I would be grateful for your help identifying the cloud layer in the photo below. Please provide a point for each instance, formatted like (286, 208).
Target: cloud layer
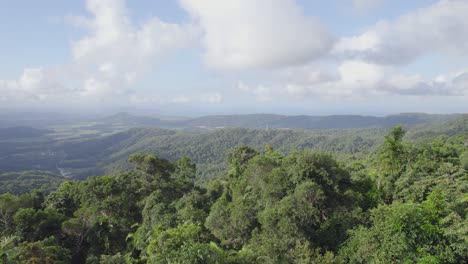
(245, 34)
(362, 79)
(439, 28)
(108, 59)
(118, 47)
(274, 47)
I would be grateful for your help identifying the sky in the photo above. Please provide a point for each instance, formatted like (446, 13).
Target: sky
(197, 57)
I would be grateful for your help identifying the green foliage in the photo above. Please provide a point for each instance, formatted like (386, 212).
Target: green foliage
(407, 204)
(151, 164)
(392, 159)
(185, 171)
(32, 225)
(46, 251)
(182, 244)
(18, 183)
(464, 160)
(64, 199)
(238, 157)
(408, 233)
(280, 206)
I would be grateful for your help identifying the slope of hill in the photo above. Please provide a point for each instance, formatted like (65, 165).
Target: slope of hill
(84, 157)
(18, 183)
(207, 148)
(127, 119)
(245, 121)
(278, 121)
(22, 132)
(451, 127)
(107, 154)
(317, 122)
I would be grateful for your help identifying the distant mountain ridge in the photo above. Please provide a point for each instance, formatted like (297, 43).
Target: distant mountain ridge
(207, 148)
(125, 120)
(81, 157)
(280, 121)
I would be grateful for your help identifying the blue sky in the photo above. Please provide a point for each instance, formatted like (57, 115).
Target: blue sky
(195, 57)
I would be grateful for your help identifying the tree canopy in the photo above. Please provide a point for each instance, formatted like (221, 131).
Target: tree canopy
(406, 204)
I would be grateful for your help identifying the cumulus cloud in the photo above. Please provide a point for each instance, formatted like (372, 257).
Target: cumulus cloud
(211, 98)
(352, 77)
(114, 41)
(121, 50)
(95, 88)
(34, 83)
(108, 58)
(244, 34)
(205, 98)
(439, 28)
(362, 78)
(306, 74)
(260, 92)
(273, 35)
(452, 84)
(360, 73)
(181, 99)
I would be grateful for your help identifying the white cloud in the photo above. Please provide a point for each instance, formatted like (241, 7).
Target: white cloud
(242, 34)
(34, 83)
(360, 73)
(181, 99)
(260, 92)
(352, 77)
(360, 78)
(120, 49)
(306, 74)
(114, 39)
(108, 58)
(296, 90)
(368, 41)
(146, 98)
(31, 79)
(263, 93)
(439, 28)
(366, 5)
(404, 82)
(452, 84)
(243, 87)
(96, 88)
(211, 98)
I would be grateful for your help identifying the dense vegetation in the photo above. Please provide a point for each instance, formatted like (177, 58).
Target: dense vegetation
(22, 132)
(80, 150)
(127, 120)
(18, 183)
(206, 149)
(311, 122)
(107, 154)
(408, 203)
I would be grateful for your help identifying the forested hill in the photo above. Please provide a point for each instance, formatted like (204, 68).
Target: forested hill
(407, 203)
(125, 120)
(279, 121)
(22, 132)
(313, 122)
(449, 128)
(81, 157)
(207, 148)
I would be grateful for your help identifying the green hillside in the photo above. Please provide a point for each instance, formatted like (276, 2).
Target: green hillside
(405, 203)
(84, 156)
(207, 148)
(18, 183)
